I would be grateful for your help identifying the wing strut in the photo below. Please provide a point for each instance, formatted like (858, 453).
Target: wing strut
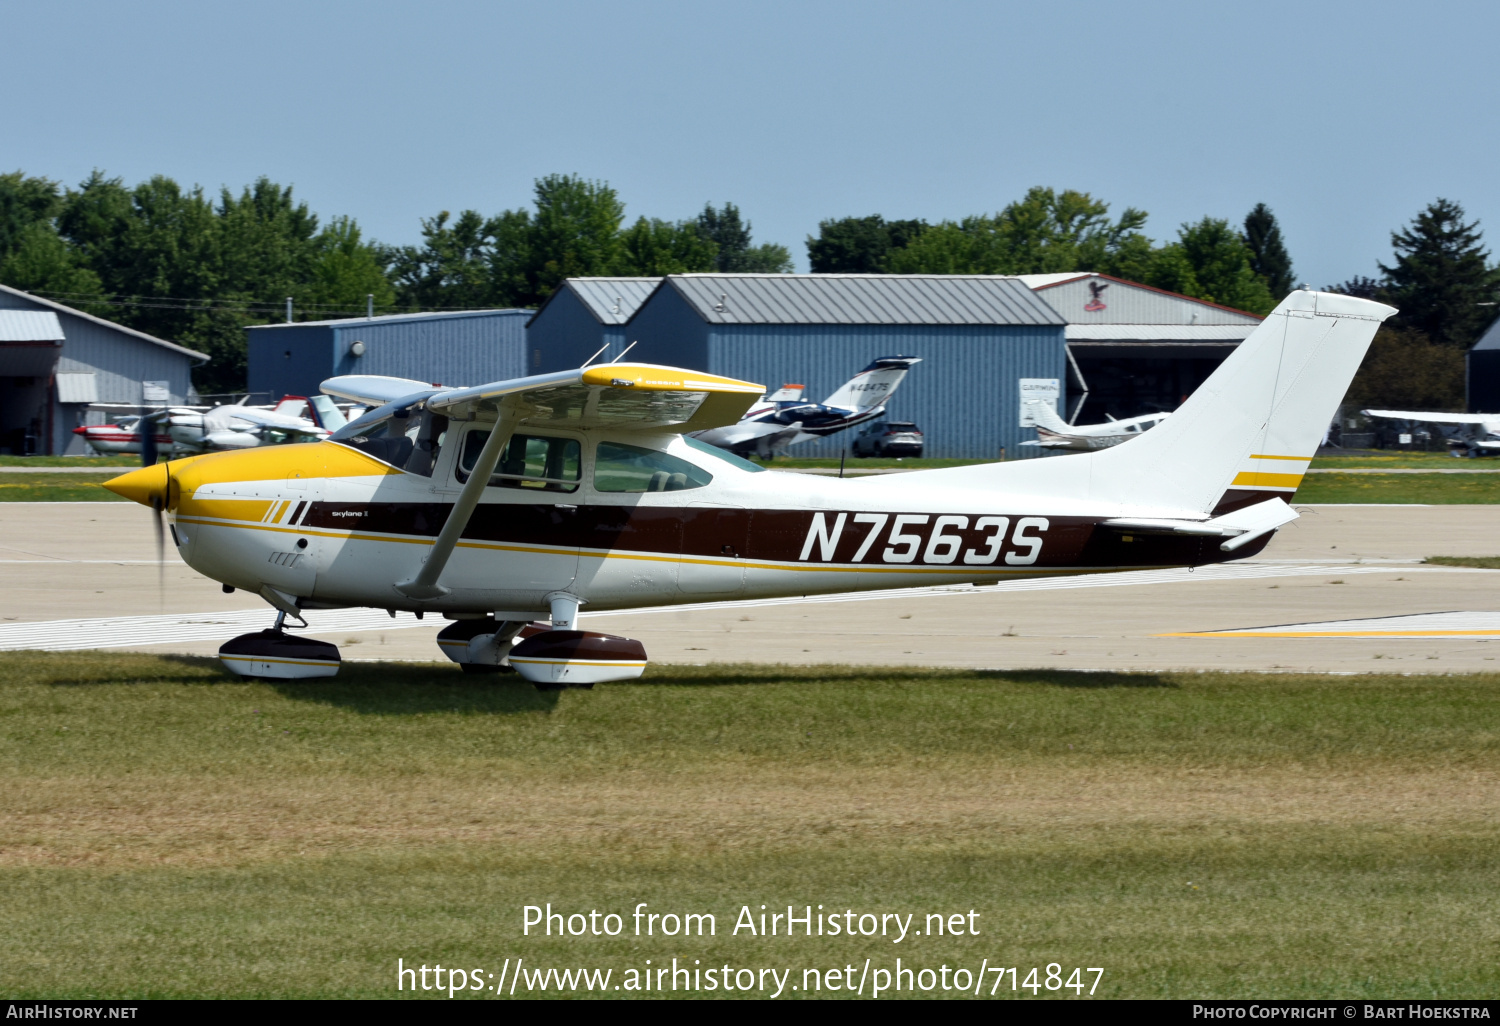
(425, 585)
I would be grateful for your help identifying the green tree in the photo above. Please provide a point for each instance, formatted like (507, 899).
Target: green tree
(1441, 275)
(24, 202)
(859, 245)
(656, 247)
(1220, 260)
(40, 261)
(1404, 369)
(346, 270)
(736, 254)
(1043, 232)
(179, 266)
(575, 233)
(1268, 255)
(451, 269)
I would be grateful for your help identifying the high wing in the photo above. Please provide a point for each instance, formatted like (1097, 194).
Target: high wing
(631, 396)
(1434, 418)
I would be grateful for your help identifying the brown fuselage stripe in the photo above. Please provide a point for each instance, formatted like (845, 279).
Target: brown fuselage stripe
(776, 536)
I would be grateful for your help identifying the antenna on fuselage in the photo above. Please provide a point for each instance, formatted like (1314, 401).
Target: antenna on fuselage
(595, 356)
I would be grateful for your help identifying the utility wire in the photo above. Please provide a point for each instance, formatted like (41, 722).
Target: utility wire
(201, 306)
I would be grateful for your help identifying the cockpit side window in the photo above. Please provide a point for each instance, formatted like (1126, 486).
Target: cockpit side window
(628, 468)
(528, 461)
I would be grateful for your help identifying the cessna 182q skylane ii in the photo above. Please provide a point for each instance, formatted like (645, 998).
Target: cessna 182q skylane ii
(529, 499)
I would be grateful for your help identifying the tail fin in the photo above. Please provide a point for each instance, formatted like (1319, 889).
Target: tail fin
(1246, 435)
(327, 413)
(874, 385)
(291, 406)
(1043, 415)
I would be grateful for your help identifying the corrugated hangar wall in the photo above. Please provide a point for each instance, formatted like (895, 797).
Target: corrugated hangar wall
(977, 337)
(470, 348)
(964, 395)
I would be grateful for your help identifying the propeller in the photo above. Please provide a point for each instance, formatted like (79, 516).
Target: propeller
(147, 428)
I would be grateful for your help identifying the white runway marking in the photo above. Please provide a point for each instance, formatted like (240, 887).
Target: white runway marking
(132, 631)
(1419, 626)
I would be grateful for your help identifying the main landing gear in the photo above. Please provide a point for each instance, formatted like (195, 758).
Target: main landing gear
(550, 655)
(276, 655)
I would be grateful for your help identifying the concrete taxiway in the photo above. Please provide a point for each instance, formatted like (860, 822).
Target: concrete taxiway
(94, 564)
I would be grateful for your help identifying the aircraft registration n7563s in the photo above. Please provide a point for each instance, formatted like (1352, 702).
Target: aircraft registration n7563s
(508, 507)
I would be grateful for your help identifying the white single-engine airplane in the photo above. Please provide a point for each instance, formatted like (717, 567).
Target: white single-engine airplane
(1052, 432)
(526, 500)
(1466, 434)
(189, 430)
(784, 418)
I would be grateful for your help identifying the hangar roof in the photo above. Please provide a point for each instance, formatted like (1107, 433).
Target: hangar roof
(862, 299)
(60, 308)
(30, 326)
(610, 300)
(1491, 337)
(356, 322)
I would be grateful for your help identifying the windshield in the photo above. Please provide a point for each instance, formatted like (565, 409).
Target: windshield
(409, 439)
(628, 468)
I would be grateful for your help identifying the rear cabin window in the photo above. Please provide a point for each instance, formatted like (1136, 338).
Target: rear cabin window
(627, 468)
(528, 461)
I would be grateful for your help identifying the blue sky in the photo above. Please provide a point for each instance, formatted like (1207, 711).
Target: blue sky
(1346, 118)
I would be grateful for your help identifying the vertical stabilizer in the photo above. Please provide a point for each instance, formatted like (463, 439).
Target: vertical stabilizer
(1045, 416)
(1248, 433)
(874, 385)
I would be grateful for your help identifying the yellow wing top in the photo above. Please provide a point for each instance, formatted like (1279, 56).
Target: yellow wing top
(630, 396)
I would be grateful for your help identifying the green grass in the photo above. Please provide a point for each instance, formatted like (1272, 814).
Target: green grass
(1483, 562)
(56, 488)
(167, 831)
(1397, 460)
(70, 461)
(1436, 489)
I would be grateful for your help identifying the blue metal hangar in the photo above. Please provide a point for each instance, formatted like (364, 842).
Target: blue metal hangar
(55, 360)
(979, 337)
(467, 347)
(583, 316)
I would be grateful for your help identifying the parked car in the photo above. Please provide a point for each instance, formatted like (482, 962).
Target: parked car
(888, 438)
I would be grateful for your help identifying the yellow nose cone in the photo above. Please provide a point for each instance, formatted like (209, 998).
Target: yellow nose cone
(148, 486)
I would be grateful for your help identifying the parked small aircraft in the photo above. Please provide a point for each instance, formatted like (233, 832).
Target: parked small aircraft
(510, 506)
(1052, 432)
(1467, 434)
(189, 430)
(784, 418)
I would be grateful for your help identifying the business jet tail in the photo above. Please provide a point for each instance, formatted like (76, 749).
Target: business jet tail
(874, 385)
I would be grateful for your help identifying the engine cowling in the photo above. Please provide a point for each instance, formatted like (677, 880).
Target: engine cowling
(578, 658)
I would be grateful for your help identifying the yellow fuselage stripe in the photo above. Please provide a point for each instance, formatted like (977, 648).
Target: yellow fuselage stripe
(1255, 479)
(1298, 459)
